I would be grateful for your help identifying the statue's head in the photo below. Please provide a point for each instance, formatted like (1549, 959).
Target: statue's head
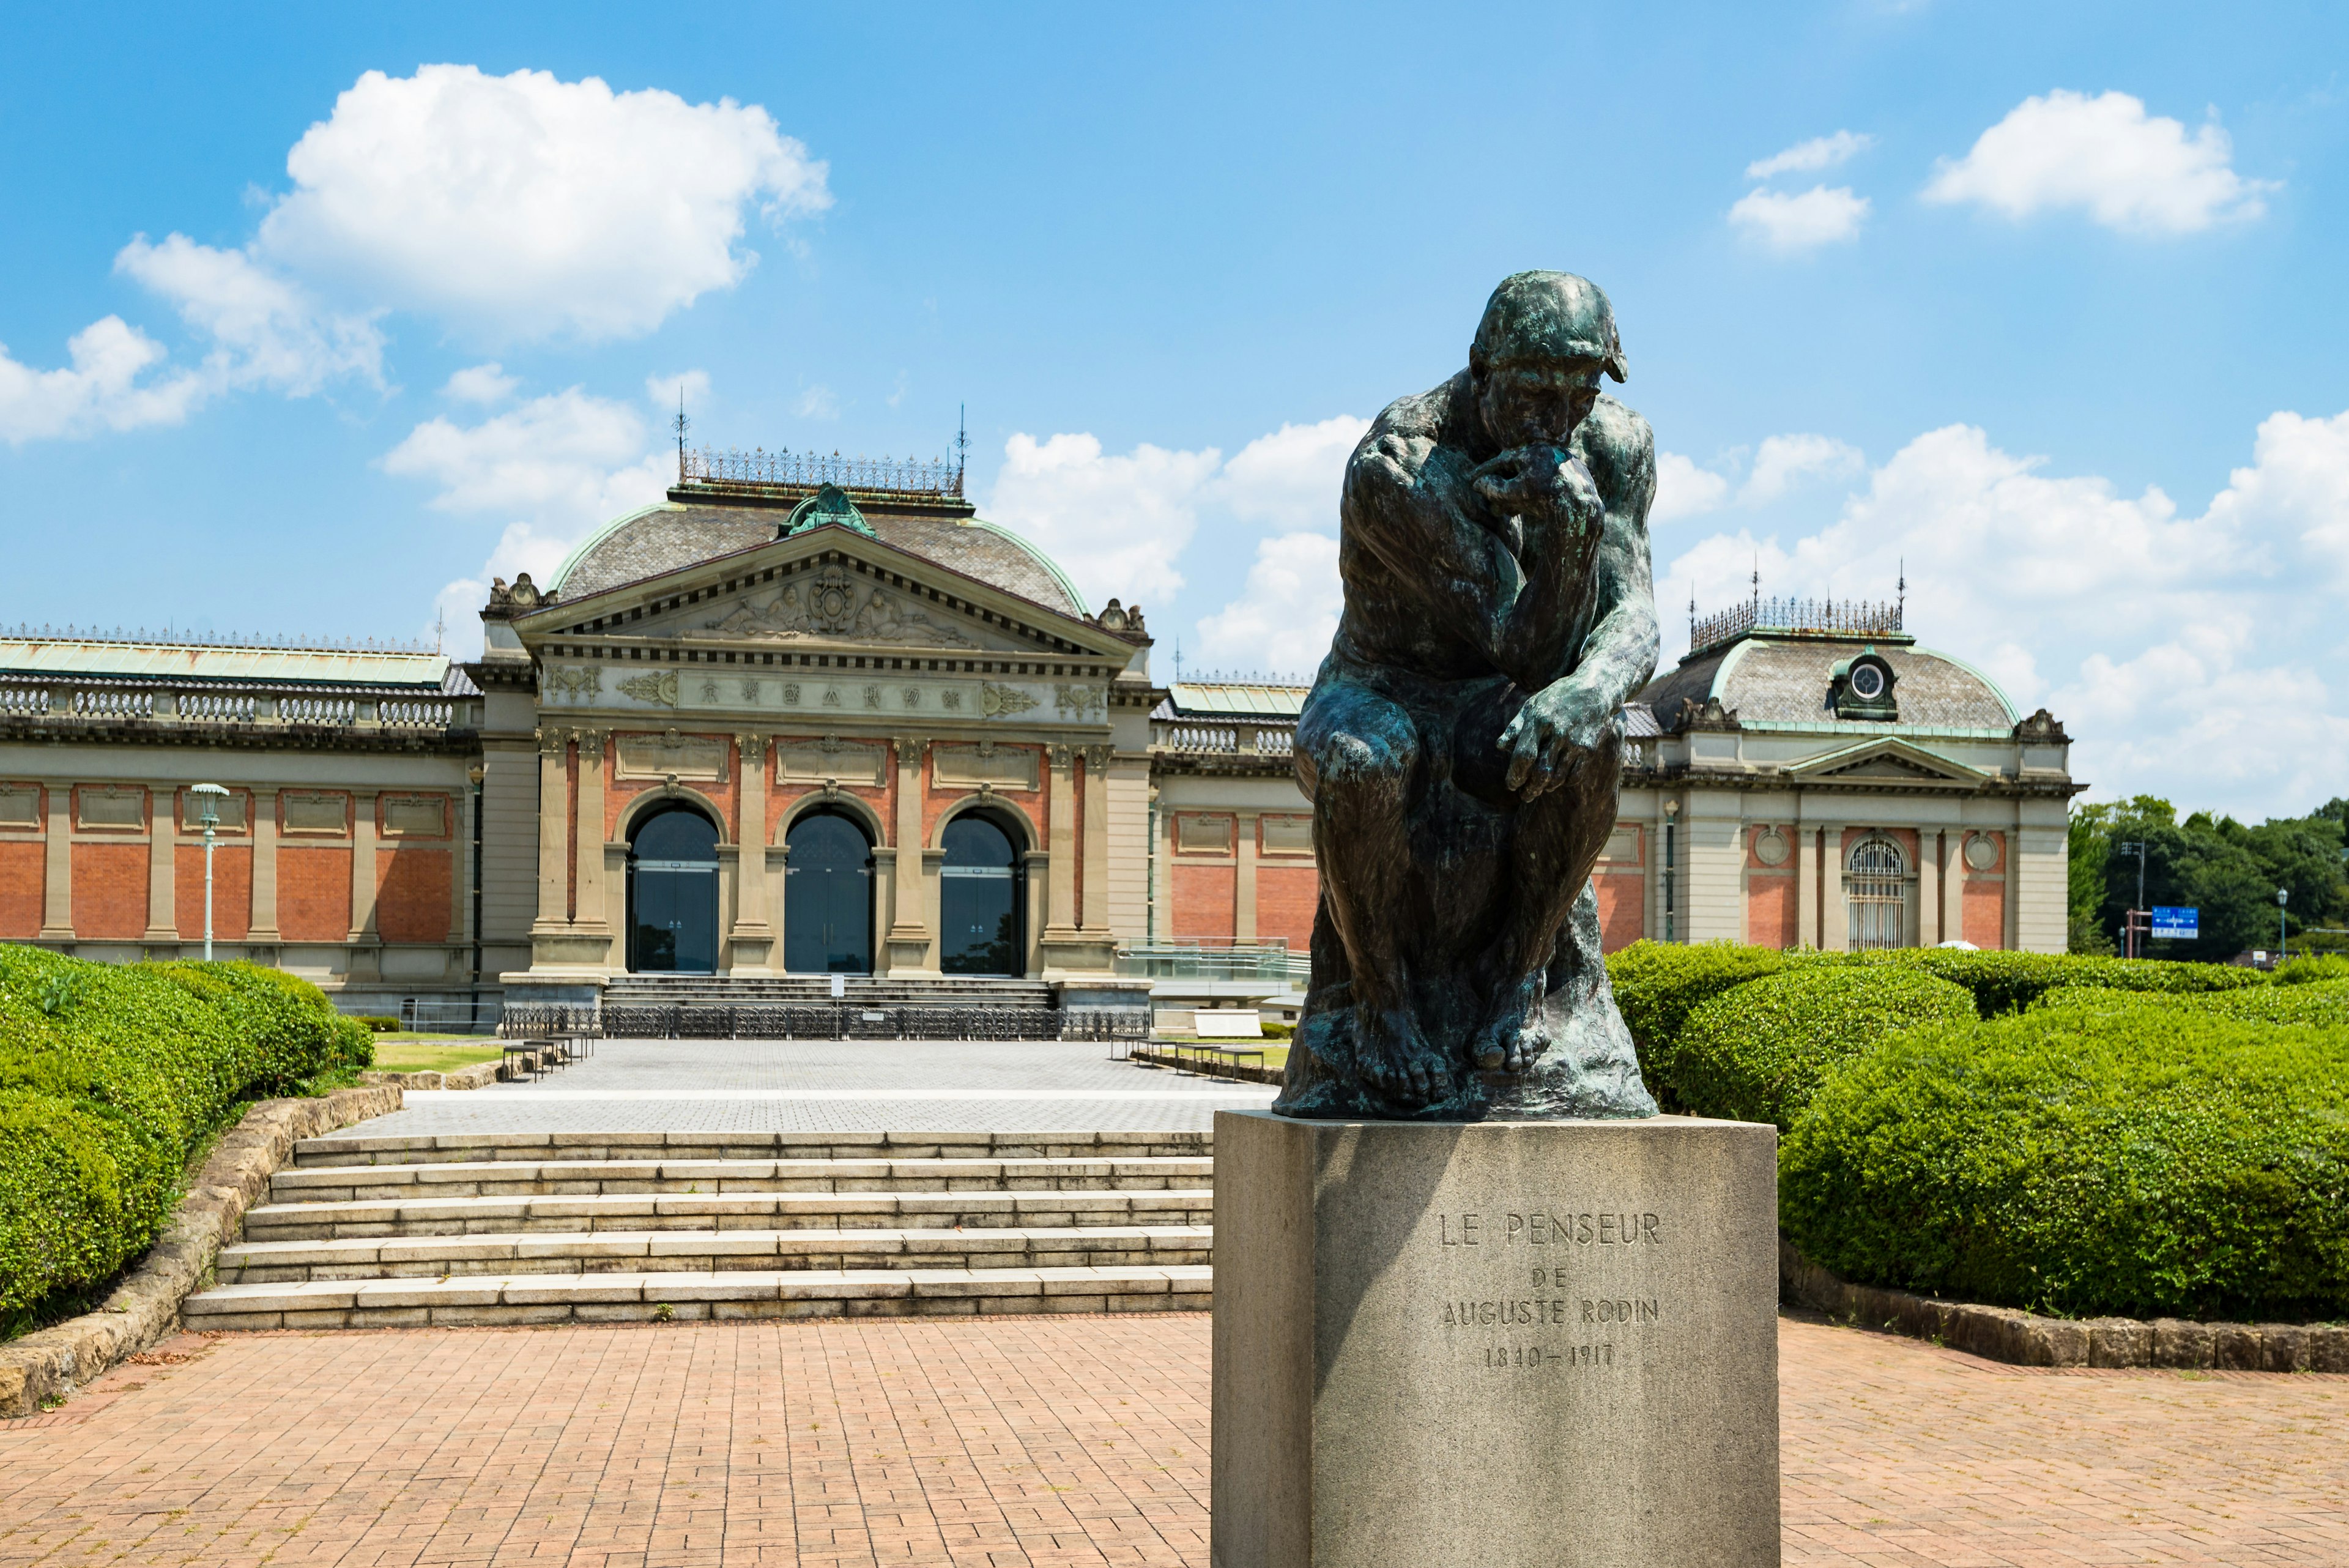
(1546, 340)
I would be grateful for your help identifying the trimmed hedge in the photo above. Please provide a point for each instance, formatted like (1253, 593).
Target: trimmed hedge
(1657, 984)
(2322, 1003)
(2143, 1159)
(2312, 967)
(2010, 981)
(110, 1077)
(1759, 1051)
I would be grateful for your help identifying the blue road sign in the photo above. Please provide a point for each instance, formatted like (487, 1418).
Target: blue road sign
(2177, 922)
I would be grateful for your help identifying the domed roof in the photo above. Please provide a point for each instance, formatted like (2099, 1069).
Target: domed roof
(1788, 679)
(663, 538)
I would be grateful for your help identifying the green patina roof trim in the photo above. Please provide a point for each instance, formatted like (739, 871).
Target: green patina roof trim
(579, 551)
(830, 504)
(1040, 558)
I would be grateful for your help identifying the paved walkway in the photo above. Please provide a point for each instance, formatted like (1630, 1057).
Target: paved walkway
(829, 1086)
(983, 1443)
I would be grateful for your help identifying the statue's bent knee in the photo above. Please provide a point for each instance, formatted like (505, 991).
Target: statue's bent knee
(1350, 761)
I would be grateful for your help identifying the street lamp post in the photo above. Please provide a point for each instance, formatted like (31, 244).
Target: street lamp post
(208, 799)
(2283, 941)
(2136, 847)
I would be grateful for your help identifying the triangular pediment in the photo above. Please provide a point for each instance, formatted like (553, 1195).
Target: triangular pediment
(823, 588)
(1887, 762)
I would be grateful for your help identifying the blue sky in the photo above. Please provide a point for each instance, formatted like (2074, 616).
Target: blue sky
(2042, 300)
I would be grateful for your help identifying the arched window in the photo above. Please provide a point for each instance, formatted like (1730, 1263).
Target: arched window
(1876, 888)
(673, 893)
(828, 895)
(980, 925)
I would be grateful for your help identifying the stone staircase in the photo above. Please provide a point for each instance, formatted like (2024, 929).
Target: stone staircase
(537, 1227)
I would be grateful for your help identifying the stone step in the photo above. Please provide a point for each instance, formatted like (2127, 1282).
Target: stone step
(534, 1177)
(435, 1216)
(714, 1252)
(458, 1147)
(512, 1299)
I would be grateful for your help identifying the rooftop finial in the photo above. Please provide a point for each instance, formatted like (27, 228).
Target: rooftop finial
(962, 442)
(681, 426)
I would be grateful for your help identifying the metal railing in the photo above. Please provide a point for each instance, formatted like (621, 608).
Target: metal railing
(832, 1020)
(1855, 617)
(1184, 961)
(760, 467)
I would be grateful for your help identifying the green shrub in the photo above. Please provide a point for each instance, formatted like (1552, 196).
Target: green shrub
(376, 1023)
(1657, 984)
(2012, 981)
(1757, 1052)
(2324, 1003)
(2144, 1158)
(111, 1077)
(2312, 967)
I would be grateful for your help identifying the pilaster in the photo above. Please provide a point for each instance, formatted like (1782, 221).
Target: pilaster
(163, 866)
(912, 938)
(591, 918)
(262, 928)
(1807, 879)
(753, 936)
(1244, 881)
(1928, 887)
(1834, 909)
(1069, 948)
(57, 866)
(365, 959)
(1096, 834)
(554, 833)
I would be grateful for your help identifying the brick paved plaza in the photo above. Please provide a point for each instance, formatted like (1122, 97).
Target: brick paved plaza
(1008, 1441)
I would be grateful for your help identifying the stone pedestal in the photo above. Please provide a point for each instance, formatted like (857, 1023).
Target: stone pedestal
(1452, 1344)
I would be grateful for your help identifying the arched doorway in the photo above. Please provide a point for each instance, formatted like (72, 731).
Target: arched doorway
(828, 895)
(1877, 888)
(673, 893)
(980, 921)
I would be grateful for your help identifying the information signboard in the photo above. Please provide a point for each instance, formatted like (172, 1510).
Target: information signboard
(2176, 922)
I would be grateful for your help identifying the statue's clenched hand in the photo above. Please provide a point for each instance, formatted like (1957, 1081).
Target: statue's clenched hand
(1539, 481)
(1557, 720)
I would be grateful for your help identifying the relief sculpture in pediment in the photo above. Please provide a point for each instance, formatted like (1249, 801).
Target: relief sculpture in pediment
(831, 605)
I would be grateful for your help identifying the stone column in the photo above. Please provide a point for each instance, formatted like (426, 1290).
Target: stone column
(554, 833)
(1243, 880)
(588, 835)
(1806, 882)
(910, 937)
(1061, 915)
(753, 935)
(262, 927)
(163, 866)
(56, 881)
(1096, 850)
(1928, 887)
(2007, 887)
(363, 875)
(1834, 909)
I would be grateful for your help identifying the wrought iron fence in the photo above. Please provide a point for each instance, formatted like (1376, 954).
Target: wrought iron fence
(760, 467)
(541, 1021)
(847, 1021)
(1852, 615)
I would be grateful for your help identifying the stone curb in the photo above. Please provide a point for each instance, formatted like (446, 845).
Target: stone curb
(479, 1076)
(1247, 1073)
(52, 1364)
(2027, 1339)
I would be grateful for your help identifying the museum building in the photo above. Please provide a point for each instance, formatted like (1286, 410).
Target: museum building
(810, 717)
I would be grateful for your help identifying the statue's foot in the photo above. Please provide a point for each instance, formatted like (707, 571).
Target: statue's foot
(1514, 1039)
(1395, 1059)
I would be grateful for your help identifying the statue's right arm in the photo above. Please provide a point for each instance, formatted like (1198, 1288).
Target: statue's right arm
(1406, 504)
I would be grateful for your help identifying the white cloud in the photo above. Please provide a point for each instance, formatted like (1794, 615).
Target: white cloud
(1685, 490)
(553, 470)
(1290, 478)
(1286, 613)
(2106, 156)
(264, 330)
(664, 391)
(1114, 523)
(1782, 461)
(256, 329)
(522, 206)
(1819, 216)
(817, 403)
(99, 389)
(1819, 152)
(2189, 655)
(485, 384)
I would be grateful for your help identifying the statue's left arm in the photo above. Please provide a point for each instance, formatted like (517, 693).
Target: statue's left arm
(1617, 656)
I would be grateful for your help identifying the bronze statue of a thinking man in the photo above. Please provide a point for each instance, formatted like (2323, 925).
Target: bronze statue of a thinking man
(1463, 739)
